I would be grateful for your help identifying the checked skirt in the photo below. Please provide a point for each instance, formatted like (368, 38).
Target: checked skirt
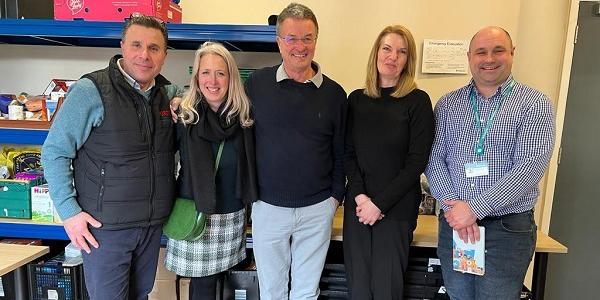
(222, 246)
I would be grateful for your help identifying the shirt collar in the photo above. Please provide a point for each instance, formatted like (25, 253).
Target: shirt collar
(501, 89)
(132, 81)
(317, 80)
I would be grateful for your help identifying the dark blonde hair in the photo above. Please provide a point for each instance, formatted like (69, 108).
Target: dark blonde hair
(406, 82)
(237, 102)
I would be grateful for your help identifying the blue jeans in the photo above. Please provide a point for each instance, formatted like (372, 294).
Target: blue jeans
(510, 244)
(291, 241)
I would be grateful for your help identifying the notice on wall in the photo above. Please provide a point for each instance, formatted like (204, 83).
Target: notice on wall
(445, 56)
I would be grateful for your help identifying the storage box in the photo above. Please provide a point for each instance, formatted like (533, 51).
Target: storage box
(184, 288)
(110, 10)
(7, 286)
(161, 272)
(54, 281)
(163, 290)
(58, 86)
(26, 9)
(240, 285)
(42, 207)
(15, 198)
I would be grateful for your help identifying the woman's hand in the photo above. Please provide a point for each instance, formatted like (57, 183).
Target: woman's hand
(174, 105)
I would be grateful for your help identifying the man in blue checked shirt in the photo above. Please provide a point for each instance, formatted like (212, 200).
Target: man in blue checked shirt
(494, 138)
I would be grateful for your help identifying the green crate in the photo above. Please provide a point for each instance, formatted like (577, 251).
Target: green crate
(15, 198)
(245, 73)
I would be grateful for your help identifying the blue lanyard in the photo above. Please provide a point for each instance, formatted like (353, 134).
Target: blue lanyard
(483, 133)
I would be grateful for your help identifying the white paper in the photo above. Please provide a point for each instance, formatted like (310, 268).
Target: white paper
(445, 56)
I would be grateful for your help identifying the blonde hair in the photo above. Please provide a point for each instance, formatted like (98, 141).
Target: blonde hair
(237, 102)
(406, 82)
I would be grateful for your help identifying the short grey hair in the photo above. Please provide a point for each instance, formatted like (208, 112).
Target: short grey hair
(297, 11)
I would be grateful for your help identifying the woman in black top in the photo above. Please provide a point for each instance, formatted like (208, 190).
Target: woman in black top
(215, 117)
(389, 136)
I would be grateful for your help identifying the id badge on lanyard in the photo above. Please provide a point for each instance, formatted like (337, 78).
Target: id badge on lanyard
(481, 167)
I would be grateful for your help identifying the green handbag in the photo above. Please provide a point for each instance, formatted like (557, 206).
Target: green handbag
(185, 222)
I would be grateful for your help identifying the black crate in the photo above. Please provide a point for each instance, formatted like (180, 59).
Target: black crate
(7, 287)
(333, 294)
(240, 285)
(526, 294)
(55, 281)
(421, 291)
(334, 270)
(423, 278)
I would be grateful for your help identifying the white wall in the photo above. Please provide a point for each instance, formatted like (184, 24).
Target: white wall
(30, 68)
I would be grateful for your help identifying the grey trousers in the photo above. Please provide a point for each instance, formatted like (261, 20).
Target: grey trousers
(291, 241)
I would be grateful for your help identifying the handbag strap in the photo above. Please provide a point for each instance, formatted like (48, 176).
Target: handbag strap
(217, 161)
(218, 158)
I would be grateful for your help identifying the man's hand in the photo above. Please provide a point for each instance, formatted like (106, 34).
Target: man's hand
(368, 213)
(460, 215)
(174, 105)
(77, 230)
(469, 233)
(361, 198)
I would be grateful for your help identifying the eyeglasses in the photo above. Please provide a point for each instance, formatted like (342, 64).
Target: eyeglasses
(292, 40)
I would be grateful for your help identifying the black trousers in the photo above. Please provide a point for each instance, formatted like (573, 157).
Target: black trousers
(376, 256)
(204, 288)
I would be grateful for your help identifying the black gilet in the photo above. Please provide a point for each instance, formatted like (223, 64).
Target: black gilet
(124, 172)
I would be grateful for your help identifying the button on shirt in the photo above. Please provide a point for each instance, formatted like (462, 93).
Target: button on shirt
(518, 149)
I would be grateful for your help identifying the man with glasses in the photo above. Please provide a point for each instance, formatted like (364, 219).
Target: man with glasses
(116, 132)
(299, 127)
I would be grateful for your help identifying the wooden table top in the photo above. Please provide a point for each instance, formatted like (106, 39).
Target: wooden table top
(426, 234)
(13, 256)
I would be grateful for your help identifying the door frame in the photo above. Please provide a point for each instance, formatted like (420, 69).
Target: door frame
(561, 106)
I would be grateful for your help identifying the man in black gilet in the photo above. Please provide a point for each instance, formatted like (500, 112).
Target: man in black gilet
(116, 131)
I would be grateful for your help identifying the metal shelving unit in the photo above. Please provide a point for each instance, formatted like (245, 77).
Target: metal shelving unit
(248, 38)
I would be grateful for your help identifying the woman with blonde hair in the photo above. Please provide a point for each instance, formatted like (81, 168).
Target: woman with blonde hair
(388, 139)
(218, 169)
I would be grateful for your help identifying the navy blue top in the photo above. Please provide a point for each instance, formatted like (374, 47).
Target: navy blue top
(299, 131)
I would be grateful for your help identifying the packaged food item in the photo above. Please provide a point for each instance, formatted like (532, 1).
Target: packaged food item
(4, 172)
(20, 159)
(29, 175)
(15, 111)
(5, 100)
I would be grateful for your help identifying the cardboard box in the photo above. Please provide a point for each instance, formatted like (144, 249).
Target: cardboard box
(111, 10)
(58, 85)
(161, 272)
(42, 208)
(184, 288)
(163, 290)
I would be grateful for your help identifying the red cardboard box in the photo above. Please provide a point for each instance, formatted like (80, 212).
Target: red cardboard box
(112, 10)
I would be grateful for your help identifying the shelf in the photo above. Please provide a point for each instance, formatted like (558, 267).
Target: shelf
(15, 228)
(22, 136)
(252, 38)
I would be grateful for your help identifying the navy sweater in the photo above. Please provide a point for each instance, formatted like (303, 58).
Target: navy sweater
(299, 139)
